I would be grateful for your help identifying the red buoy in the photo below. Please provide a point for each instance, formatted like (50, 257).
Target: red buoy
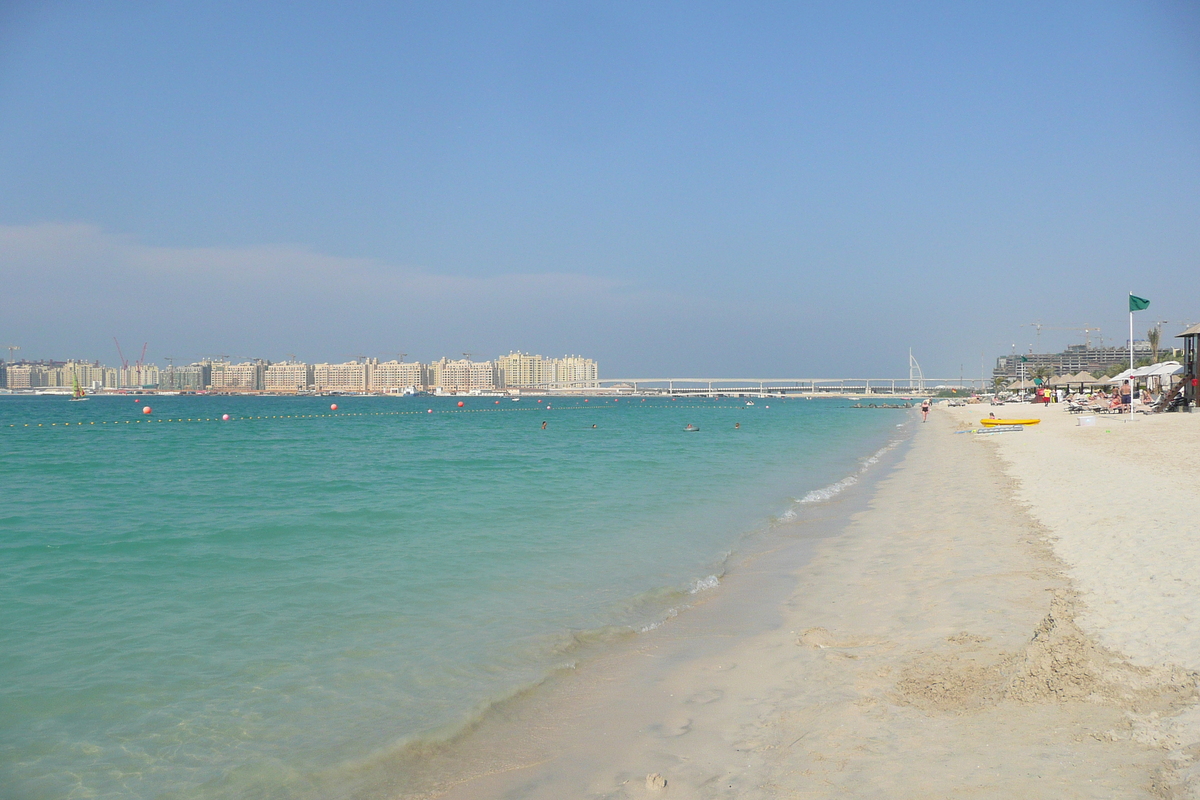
(430, 411)
(585, 399)
(225, 418)
(497, 402)
(333, 407)
(146, 409)
(461, 404)
(137, 400)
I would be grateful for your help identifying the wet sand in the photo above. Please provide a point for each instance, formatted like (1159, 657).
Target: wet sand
(935, 634)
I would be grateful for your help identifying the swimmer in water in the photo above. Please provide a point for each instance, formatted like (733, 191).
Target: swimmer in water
(593, 425)
(543, 425)
(737, 425)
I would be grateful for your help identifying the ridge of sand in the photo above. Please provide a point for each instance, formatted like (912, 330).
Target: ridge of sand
(936, 647)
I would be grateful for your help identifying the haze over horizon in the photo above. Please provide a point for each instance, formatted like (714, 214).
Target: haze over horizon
(712, 189)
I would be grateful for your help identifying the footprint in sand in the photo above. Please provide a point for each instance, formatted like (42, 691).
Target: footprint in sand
(706, 697)
(821, 639)
(673, 729)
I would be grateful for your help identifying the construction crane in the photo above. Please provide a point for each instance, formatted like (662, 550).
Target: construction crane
(12, 348)
(400, 357)
(141, 360)
(1087, 331)
(124, 362)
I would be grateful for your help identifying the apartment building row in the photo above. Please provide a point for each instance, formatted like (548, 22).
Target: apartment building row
(64, 374)
(516, 370)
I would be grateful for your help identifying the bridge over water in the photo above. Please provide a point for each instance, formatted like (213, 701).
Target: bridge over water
(811, 387)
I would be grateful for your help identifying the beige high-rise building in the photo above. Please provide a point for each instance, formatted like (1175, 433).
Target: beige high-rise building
(21, 376)
(245, 377)
(288, 376)
(463, 375)
(87, 374)
(392, 375)
(575, 372)
(351, 376)
(521, 370)
(137, 376)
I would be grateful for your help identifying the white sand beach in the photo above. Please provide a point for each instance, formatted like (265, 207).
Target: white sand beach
(1013, 615)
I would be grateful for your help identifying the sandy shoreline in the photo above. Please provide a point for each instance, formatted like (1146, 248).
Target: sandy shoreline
(993, 620)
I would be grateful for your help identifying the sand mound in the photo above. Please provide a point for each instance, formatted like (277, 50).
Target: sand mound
(1059, 664)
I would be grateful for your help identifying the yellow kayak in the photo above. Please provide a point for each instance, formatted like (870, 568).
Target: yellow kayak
(991, 423)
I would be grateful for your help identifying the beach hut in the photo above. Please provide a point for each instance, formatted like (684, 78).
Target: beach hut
(1191, 370)
(1080, 379)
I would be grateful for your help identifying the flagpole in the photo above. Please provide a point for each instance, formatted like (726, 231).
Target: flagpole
(1135, 304)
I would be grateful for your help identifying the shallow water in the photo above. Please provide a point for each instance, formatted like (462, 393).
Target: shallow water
(236, 609)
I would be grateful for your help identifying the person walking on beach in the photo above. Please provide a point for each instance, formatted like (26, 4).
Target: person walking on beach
(925, 410)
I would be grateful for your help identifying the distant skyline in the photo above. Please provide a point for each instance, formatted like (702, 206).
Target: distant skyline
(685, 188)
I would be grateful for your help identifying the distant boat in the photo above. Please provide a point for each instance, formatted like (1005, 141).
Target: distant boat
(77, 392)
(691, 428)
(749, 402)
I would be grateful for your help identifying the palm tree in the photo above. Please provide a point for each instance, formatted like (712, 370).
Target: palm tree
(1154, 335)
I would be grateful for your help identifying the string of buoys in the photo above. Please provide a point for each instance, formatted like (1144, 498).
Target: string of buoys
(460, 409)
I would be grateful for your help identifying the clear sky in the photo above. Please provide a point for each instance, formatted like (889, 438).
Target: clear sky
(739, 189)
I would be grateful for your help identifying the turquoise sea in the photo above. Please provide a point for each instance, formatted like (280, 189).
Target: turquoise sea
(267, 606)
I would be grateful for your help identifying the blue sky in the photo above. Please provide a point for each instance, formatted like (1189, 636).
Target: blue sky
(735, 189)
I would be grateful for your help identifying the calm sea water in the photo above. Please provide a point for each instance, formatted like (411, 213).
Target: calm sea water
(192, 608)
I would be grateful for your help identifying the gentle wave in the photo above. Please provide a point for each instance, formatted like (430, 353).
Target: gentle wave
(828, 492)
(831, 491)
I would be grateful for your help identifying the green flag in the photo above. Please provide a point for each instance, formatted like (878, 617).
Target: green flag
(1138, 303)
(1023, 358)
